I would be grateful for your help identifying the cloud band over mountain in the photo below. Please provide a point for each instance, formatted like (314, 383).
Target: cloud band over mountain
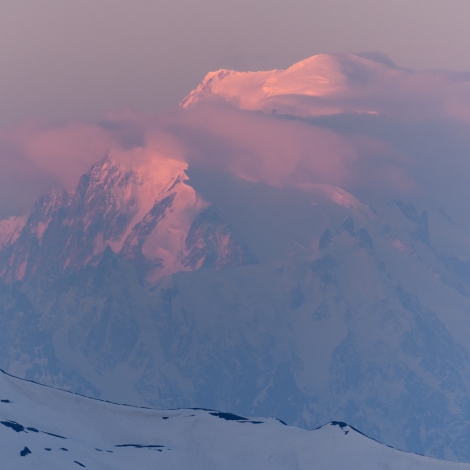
(368, 108)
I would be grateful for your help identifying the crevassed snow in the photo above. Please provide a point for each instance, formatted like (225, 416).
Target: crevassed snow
(42, 428)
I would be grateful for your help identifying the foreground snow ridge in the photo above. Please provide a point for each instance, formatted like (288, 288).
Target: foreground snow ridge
(46, 428)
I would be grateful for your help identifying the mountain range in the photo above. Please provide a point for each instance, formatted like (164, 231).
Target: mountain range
(330, 282)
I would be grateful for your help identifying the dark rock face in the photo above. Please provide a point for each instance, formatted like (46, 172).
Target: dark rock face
(211, 243)
(25, 452)
(348, 227)
(132, 248)
(63, 228)
(365, 241)
(421, 221)
(325, 239)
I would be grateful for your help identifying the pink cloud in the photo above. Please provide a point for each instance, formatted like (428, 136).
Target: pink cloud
(35, 156)
(264, 148)
(63, 151)
(252, 145)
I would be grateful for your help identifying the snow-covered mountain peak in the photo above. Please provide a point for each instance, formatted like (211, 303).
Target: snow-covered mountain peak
(316, 76)
(145, 212)
(323, 75)
(243, 88)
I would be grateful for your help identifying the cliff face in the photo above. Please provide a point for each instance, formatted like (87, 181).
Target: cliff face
(121, 208)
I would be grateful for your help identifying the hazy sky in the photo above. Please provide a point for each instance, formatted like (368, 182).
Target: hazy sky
(81, 58)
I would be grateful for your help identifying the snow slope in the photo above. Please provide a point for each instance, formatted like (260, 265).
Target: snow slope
(327, 84)
(44, 429)
(318, 75)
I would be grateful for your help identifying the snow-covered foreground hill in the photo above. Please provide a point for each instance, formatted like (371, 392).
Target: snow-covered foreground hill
(44, 429)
